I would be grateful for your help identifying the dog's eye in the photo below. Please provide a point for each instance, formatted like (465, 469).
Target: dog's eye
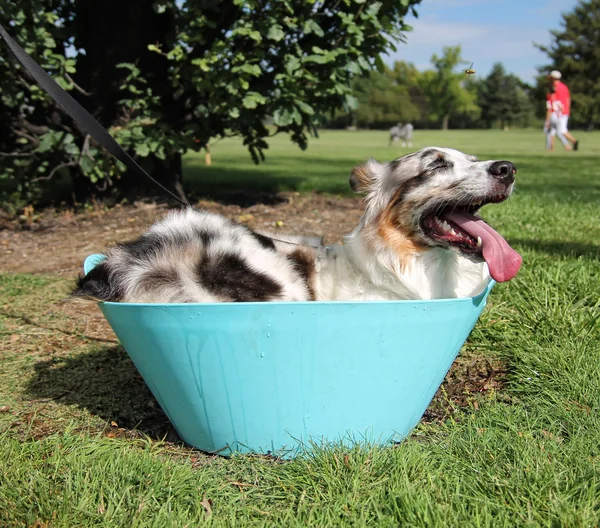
(439, 163)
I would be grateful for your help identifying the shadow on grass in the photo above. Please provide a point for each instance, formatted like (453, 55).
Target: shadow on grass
(106, 383)
(236, 186)
(251, 186)
(558, 248)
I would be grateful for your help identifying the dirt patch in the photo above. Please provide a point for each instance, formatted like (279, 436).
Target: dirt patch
(58, 241)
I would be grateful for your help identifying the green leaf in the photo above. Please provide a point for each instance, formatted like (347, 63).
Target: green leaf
(296, 116)
(234, 112)
(252, 100)
(252, 69)
(351, 102)
(310, 26)
(248, 32)
(47, 142)
(142, 149)
(282, 117)
(202, 64)
(87, 165)
(71, 149)
(63, 83)
(292, 64)
(318, 59)
(275, 33)
(306, 108)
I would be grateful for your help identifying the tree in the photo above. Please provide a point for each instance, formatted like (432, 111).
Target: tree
(503, 99)
(444, 88)
(575, 52)
(169, 75)
(383, 100)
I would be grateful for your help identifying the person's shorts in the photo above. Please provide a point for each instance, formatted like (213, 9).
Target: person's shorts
(558, 124)
(563, 121)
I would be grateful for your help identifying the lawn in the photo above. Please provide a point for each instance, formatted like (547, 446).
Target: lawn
(523, 453)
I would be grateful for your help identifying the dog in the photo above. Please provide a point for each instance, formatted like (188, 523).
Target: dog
(402, 132)
(419, 238)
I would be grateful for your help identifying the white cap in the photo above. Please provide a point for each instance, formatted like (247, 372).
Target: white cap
(555, 74)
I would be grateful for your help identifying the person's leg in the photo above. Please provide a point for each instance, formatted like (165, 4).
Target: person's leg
(550, 138)
(556, 129)
(563, 129)
(563, 140)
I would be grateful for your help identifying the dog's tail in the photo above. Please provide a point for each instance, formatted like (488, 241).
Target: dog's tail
(97, 286)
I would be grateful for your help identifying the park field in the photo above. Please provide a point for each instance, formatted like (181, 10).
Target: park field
(523, 451)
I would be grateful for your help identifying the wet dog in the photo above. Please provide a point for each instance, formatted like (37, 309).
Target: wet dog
(419, 238)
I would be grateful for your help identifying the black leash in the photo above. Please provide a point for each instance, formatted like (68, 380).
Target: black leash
(79, 114)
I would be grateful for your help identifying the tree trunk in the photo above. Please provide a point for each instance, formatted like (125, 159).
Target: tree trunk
(109, 40)
(445, 122)
(169, 173)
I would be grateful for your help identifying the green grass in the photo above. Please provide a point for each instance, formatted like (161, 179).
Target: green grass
(526, 456)
(325, 165)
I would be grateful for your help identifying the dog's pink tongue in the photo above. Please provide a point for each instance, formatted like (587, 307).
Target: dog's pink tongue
(502, 260)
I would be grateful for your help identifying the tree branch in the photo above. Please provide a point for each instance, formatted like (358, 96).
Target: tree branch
(33, 139)
(30, 127)
(76, 86)
(55, 170)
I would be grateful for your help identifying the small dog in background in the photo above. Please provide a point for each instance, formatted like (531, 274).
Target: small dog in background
(403, 133)
(419, 238)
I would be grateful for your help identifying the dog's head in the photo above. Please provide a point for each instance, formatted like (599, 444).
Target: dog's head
(430, 198)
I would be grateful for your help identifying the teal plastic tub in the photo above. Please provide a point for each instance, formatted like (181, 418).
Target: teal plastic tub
(278, 377)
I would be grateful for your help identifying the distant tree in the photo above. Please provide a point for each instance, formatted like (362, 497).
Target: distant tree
(444, 87)
(385, 97)
(470, 118)
(537, 94)
(166, 76)
(383, 100)
(575, 52)
(503, 99)
(407, 74)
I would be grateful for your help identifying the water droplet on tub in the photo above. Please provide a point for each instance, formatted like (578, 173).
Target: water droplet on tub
(424, 308)
(191, 316)
(268, 334)
(262, 354)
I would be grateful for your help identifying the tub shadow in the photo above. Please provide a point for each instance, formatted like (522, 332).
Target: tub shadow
(106, 383)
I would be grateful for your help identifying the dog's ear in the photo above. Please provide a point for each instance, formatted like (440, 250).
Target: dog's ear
(363, 176)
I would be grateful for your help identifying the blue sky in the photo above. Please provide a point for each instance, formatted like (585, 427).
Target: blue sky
(489, 31)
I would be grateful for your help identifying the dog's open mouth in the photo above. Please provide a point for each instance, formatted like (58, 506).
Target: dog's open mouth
(458, 226)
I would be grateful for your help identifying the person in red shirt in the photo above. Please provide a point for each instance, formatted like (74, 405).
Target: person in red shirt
(564, 96)
(554, 123)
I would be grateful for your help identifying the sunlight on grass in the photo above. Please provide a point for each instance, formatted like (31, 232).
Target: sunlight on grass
(326, 165)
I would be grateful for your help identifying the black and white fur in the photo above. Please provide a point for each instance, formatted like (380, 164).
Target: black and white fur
(403, 133)
(196, 256)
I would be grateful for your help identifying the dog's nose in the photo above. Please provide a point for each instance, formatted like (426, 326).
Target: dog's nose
(504, 171)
